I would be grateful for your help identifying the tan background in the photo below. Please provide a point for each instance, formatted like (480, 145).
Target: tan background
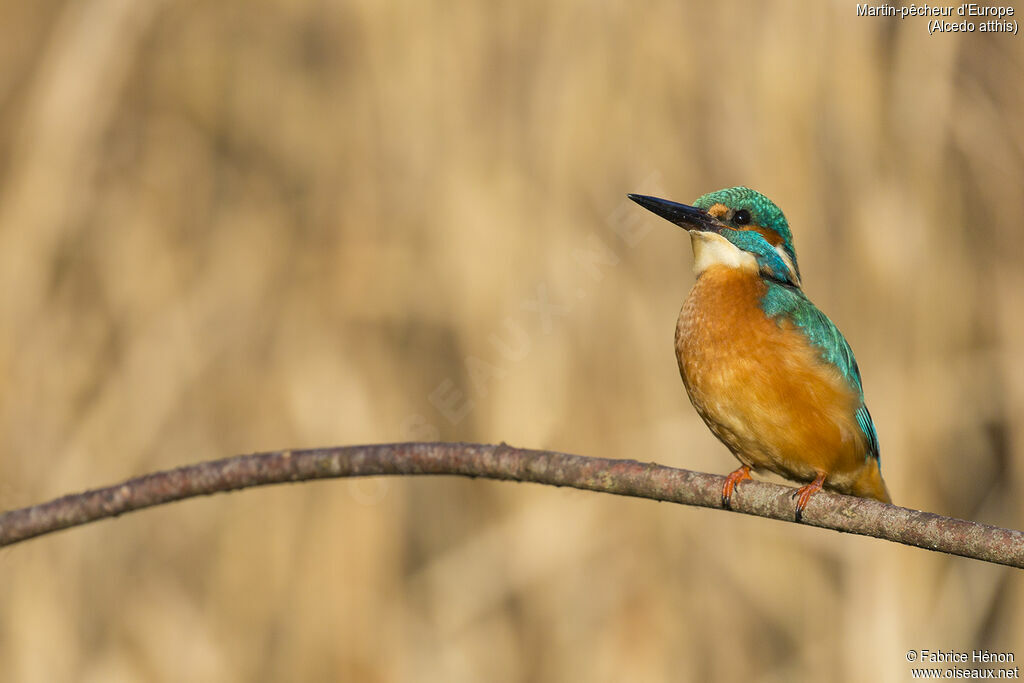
(237, 226)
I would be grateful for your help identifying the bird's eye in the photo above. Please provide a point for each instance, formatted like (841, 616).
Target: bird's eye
(741, 217)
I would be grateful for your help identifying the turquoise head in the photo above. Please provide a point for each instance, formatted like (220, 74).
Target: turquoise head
(736, 226)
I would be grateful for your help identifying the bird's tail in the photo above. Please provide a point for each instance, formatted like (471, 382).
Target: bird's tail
(870, 483)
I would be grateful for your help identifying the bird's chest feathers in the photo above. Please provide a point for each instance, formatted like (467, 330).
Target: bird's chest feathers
(758, 383)
(723, 335)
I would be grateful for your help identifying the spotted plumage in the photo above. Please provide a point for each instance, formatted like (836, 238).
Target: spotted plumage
(769, 373)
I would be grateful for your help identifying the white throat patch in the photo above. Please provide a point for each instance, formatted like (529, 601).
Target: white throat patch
(710, 249)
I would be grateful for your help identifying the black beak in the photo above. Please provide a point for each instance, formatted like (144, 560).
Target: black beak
(686, 217)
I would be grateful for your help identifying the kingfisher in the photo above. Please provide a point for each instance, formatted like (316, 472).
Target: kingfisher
(769, 373)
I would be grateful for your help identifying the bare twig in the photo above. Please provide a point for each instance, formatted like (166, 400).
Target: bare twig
(621, 477)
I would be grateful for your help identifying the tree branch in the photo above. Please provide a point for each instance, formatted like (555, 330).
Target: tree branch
(621, 477)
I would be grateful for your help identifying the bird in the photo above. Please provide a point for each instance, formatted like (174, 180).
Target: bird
(768, 372)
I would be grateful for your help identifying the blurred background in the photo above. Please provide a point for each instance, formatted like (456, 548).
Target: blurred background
(248, 225)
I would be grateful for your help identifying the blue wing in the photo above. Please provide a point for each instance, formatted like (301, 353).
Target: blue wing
(786, 302)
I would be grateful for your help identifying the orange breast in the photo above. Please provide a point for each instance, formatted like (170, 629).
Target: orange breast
(762, 388)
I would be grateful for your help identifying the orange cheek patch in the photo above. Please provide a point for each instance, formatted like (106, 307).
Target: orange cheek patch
(720, 211)
(773, 237)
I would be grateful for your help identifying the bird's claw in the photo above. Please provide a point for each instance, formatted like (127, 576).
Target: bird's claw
(731, 481)
(804, 493)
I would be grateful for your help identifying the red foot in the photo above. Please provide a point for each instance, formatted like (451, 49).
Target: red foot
(804, 494)
(730, 484)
